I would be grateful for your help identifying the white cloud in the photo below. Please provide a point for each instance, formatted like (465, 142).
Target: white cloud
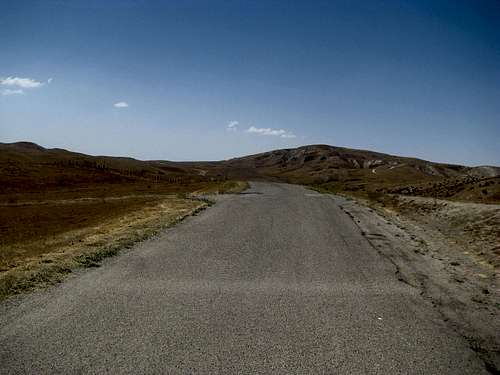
(50, 80)
(265, 131)
(232, 126)
(268, 131)
(12, 92)
(25, 83)
(121, 105)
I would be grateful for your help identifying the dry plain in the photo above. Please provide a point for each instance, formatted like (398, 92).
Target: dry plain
(431, 231)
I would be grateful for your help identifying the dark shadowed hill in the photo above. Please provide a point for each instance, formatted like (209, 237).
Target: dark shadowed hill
(26, 166)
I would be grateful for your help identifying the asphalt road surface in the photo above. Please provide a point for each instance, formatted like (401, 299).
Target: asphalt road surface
(276, 280)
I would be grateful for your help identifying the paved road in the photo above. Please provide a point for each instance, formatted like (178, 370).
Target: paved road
(278, 280)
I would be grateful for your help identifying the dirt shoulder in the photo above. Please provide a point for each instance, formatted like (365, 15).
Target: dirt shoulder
(447, 250)
(473, 228)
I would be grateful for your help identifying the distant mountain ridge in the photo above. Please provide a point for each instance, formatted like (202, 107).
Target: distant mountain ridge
(29, 162)
(323, 162)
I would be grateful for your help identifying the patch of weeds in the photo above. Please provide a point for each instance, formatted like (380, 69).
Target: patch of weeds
(93, 259)
(207, 203)
(233, 187)
(182, 195)
(30, 279)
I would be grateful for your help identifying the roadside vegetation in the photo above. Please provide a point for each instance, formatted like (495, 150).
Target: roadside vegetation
(225, 187)
(43, 242)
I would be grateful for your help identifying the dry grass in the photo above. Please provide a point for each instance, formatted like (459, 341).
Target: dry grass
(45, 242)
(459, 189)
(48, 231)
(225, 187)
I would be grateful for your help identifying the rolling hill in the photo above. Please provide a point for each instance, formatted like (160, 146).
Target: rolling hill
(365, 172)
(27, 166)
(323, 163)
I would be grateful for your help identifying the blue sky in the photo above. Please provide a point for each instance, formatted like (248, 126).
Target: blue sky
(164, 80)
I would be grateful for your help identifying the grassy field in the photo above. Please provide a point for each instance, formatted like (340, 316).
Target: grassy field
(45, 238)
(43, 242)
(61, 210)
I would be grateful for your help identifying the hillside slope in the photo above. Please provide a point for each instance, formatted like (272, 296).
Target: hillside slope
(323, 163)
(26, 166)
(367, 172)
